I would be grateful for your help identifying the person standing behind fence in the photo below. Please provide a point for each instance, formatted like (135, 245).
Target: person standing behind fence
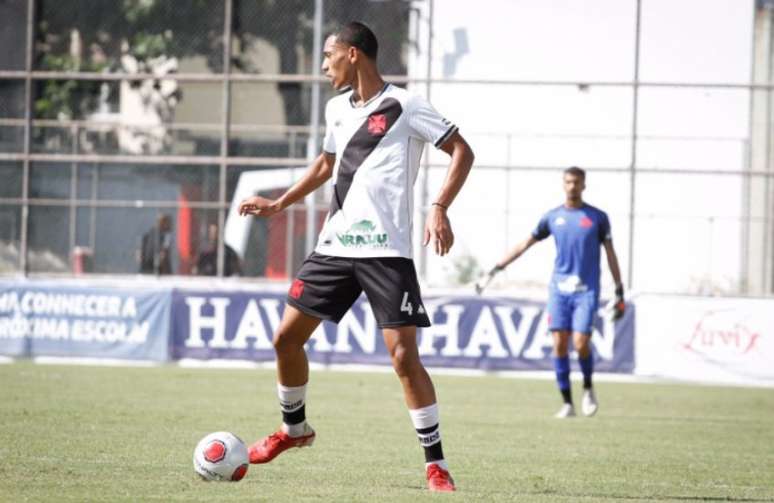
(156, 248)
(375, 134)
(578, 229)
(207, 260)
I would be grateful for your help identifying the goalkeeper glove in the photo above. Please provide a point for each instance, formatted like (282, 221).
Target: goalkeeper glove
(620, 306)
(497, 268)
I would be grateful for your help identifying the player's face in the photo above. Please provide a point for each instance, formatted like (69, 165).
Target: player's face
(337, 63)
(165, 224)
(573, 186)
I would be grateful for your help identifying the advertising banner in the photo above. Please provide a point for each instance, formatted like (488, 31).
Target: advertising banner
(467, 332)
(46, 319)
(706, 339)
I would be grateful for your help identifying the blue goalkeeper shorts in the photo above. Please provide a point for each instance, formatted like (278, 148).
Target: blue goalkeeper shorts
(572, 311)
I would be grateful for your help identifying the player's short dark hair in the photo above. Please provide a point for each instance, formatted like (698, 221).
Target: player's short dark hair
(575, 171)
(360, 36)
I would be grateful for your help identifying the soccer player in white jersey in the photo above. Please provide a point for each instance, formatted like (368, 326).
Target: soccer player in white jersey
(375, 134)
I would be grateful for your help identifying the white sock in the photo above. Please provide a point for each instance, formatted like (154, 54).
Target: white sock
(426, 423)
(424, 417)
(292, 400)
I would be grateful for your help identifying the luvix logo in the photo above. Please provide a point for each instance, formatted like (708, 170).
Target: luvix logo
(722, 333)
(362, 234)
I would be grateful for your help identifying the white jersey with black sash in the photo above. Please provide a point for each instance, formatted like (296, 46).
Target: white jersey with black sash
(378, 147)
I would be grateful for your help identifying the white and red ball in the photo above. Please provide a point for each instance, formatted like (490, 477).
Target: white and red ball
(221, 456)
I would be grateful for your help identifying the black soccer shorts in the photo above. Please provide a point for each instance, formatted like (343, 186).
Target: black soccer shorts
(326, 287)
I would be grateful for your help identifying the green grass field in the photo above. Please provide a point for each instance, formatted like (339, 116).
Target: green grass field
(73, 433)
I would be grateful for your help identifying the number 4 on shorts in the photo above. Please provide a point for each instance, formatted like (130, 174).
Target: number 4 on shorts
(405, 305)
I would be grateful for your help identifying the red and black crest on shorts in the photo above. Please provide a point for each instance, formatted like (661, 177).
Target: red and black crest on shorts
(296, 289)
(377, 124)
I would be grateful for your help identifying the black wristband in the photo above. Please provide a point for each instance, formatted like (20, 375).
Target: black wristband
(619, 291)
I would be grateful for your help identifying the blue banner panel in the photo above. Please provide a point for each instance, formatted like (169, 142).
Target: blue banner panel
(38, 319)
(467, 332)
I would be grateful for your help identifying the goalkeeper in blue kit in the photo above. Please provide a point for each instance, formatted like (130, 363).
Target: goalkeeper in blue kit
(579, 231)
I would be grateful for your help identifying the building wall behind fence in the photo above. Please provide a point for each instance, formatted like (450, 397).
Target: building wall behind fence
(89, 157)
(565, 96)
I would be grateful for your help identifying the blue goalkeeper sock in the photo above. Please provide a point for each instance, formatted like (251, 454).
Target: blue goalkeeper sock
(587, 368)
(562, 367)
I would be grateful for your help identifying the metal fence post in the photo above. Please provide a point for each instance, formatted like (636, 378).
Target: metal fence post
(225, 133)
(313, 142)
(426, 168)
(633, 165)
(25, 213)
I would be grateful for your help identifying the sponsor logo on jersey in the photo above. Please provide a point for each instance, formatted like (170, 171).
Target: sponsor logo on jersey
(571, 284)
(362, 234)
(560, 221)
(363, 226)
(377, 124)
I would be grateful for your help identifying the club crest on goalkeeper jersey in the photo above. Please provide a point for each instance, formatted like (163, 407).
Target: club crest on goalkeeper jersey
(378, 147)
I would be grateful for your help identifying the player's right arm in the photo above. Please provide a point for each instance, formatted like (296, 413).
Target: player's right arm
(515, 253)
(317, 174)
(542, 231)
(615, 271)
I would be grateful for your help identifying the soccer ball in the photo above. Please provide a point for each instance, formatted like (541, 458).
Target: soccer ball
(221, 456)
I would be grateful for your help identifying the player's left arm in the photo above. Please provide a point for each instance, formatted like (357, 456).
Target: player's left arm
(612, 261)
(615, 271)
(437, 226)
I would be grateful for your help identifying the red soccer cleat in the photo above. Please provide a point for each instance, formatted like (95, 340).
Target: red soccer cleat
(439, 480)
(272, 446)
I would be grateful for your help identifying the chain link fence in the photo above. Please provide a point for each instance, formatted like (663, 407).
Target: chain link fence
(139, 110)
(118, 113)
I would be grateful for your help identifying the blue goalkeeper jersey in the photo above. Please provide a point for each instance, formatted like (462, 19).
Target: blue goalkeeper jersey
(578, 233)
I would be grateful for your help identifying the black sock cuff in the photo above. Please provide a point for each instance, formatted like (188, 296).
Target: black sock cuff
(433, 453)
(295, 417)
(429, 429)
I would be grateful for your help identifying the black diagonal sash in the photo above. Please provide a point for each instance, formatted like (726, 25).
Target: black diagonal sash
(363, 142)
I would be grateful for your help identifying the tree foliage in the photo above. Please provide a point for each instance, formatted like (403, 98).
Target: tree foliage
(184, 28)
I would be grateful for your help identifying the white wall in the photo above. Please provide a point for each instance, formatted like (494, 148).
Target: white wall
(551, 126)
